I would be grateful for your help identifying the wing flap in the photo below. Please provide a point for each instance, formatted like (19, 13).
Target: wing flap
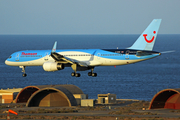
(84, 63)
(58, 57)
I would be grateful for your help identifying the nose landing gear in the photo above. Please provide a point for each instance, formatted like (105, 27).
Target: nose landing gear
(23, 70)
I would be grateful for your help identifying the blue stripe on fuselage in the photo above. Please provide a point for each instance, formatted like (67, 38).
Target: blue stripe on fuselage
(116, 54)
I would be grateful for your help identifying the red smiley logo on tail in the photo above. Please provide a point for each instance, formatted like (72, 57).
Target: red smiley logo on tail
(149, 41)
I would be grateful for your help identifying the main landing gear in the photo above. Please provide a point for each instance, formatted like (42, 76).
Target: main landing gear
(23, 70)
(78, 74)
(75, 74)
(91, 73)
(74, 66)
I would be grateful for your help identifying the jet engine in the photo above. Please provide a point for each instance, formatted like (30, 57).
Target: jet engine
(52, 66)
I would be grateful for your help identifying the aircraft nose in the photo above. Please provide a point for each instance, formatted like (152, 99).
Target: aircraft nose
(7, 62)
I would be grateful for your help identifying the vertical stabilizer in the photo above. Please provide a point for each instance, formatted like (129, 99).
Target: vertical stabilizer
(147, 39)
(54, 47)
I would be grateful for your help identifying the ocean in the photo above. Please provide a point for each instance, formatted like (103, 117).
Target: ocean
(134, 81)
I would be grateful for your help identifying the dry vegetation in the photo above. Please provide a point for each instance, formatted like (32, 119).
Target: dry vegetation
(82, 117)
(175, 111)
(24, 113)
(12, 105)
(56, 110)
(129, 109)
(96, 108)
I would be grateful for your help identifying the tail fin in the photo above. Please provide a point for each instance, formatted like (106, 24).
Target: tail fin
(147, 39)
(54, 47)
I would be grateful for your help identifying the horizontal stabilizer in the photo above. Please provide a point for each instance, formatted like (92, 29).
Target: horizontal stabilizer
(142, 53)
(145, 53)
(168, 51)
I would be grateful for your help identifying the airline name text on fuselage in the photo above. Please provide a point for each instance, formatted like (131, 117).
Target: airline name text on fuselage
(23, 53)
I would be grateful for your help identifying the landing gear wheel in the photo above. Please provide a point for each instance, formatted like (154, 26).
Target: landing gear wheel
(24, 75)
(94, 74)
(89, 73)
(77, 74)
(72, 74)
(23, 70)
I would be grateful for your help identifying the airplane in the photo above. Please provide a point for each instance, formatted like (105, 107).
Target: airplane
(88, 59)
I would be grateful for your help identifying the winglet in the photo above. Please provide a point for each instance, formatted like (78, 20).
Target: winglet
(54, 47)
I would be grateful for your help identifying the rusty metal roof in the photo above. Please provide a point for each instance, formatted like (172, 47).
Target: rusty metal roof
(159, 100)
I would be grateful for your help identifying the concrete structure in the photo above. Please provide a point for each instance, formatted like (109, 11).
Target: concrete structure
(44, 95)
(26, 92)
(106, 98)
(8, 95)
(168, 98)
(52, 97)
(87, 102)
(49, 95)
(79, 97)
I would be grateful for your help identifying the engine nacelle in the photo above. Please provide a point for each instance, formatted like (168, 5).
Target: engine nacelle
(52, 66)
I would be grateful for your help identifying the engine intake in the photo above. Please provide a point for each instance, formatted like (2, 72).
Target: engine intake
(52, 66)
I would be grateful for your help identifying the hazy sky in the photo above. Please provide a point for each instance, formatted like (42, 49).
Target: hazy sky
(87, 16)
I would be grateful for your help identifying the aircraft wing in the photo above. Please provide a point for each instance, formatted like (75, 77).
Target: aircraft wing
(60, 58)
(81, 63)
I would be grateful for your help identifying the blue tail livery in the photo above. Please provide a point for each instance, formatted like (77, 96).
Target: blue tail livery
(88, 59)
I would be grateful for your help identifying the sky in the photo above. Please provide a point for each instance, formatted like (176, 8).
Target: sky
(64, 17)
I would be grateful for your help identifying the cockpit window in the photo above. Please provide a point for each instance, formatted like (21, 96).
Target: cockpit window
(10, 57)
